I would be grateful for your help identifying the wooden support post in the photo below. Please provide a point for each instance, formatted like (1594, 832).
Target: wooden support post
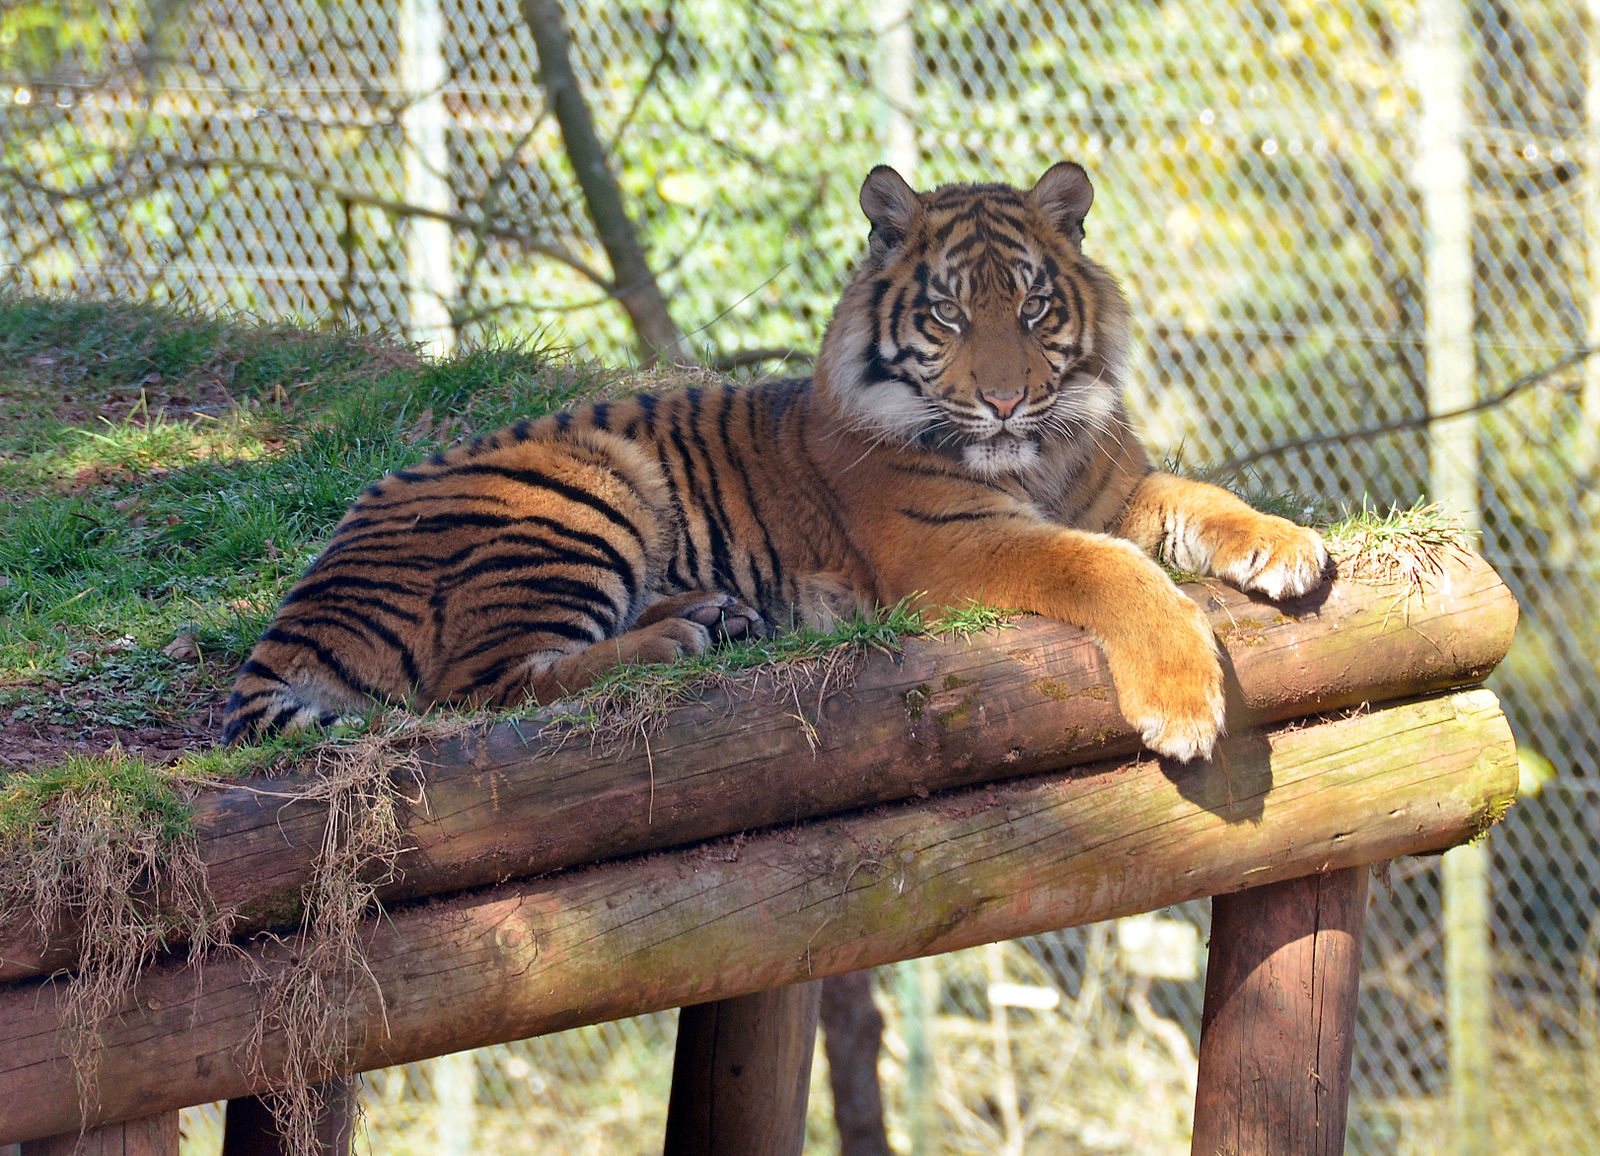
(1278, 1029)
(152, 1136)
(249, 1130)
(742, 1074)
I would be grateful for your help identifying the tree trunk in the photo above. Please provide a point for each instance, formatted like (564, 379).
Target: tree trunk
(852, 1033)
(633, 281)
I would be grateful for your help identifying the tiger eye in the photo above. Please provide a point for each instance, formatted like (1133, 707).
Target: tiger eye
(947, 313)
(1033, 308)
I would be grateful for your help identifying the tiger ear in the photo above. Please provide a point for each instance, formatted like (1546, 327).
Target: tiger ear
(1064, 195)
(890, 205)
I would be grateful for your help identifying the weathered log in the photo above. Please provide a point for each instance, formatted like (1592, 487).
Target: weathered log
(790, 904)
(1278, 1031)
(944, 713)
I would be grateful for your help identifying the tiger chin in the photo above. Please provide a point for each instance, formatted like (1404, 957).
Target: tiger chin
(964, 436)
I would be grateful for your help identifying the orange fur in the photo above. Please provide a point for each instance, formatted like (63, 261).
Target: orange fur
(964, 436)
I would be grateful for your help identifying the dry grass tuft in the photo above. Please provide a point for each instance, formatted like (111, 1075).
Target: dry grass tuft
(307, 1001)
(106, 846)
(1403, 547)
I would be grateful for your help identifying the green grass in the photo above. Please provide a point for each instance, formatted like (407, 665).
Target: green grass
(163, 473)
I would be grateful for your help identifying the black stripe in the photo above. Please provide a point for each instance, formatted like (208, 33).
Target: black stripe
(262, 670)
(946, 518)
(724, 560)
(406, 498)
(240, 720)
(537, 479)
(358, 625)
(349, 584)
(329, 660)
(283, 718)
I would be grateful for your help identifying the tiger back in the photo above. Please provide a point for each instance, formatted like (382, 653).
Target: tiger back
(964, 436)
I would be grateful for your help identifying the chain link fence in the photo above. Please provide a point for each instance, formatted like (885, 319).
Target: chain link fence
(1331, 219)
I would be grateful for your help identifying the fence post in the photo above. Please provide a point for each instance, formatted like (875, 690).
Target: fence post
(895, 79)
(742, 1074)
(430, 275)
(1589, 428)
(1445, 177)
(151, 1136)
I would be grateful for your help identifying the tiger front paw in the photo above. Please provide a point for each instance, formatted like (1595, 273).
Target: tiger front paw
(1169, 683)
(1270, 555)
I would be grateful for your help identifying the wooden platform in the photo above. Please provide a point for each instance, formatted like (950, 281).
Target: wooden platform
(958, 793)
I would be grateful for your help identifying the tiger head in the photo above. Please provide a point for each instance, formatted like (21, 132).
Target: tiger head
(975, 327)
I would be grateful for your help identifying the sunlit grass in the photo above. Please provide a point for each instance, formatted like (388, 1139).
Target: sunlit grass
(1395, 545)
(167, 474)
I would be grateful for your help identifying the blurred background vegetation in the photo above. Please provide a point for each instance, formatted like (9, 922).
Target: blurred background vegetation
(1275, 188)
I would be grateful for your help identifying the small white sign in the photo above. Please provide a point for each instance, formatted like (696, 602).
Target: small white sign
(1159, 948)
(1023, 995)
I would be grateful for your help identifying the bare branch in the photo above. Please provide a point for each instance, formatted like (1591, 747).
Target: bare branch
(1525, 382)
(101, 191)
(664, 38)
(740, 358)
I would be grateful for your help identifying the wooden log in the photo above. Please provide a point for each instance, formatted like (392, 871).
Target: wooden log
(1278, 1030)
(741, 1074)
(150, 1136)
(791, 904)
(944, 713)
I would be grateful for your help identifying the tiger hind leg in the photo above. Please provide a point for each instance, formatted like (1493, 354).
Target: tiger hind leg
(671, 628)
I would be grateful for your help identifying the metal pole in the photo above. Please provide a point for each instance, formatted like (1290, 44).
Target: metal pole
(430, 278)
(1445, 177)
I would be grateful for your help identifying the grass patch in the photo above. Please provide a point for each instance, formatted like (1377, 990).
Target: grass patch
(165, 477)
(1399, 545)
(632, 701)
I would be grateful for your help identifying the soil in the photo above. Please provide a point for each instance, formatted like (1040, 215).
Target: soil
(32, 741)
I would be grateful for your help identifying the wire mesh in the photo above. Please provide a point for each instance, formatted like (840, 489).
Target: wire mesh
(1259, 173)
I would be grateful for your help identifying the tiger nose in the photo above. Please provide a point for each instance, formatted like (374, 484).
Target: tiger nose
(1004, 403)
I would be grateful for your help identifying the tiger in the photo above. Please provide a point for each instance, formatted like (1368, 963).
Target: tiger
(963, 436)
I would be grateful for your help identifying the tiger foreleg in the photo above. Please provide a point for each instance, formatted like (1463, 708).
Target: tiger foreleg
(1203, 529)
(1158, 644)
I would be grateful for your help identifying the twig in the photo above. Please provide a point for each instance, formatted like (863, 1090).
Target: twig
(1518, 385)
